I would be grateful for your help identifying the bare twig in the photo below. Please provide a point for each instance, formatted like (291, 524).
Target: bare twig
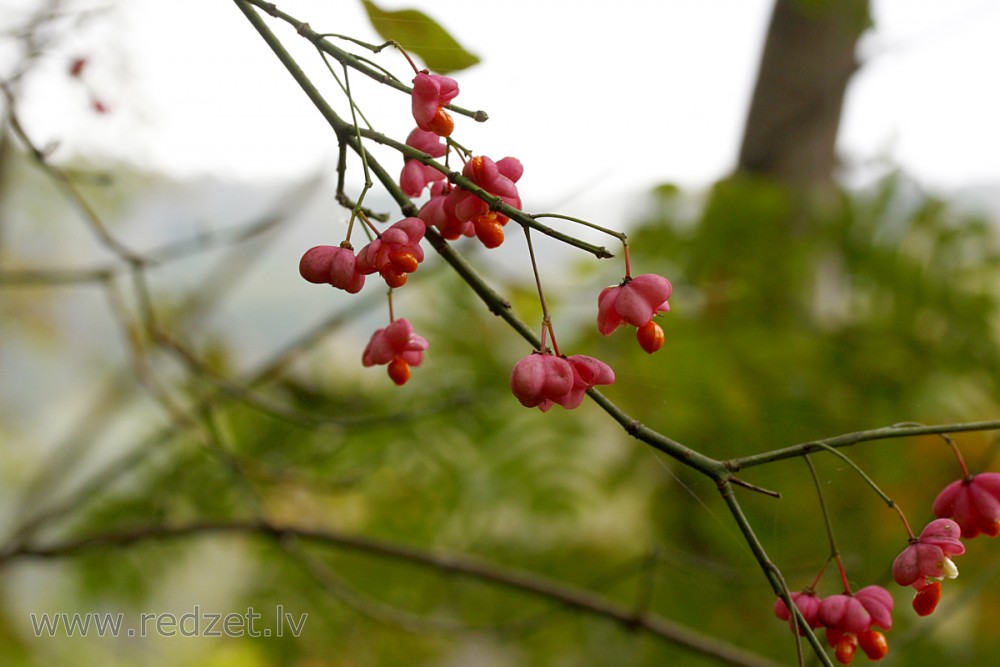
(69, 190)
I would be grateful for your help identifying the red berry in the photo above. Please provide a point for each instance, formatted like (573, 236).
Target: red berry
(489, 230)
(477, 169)
(846, 648)
(927, 598)
(442, 124)
(404, 262)
(399, 371)
(650, 337)
(393, 278)
(874, 644)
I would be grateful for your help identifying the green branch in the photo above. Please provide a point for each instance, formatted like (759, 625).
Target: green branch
(854, 438)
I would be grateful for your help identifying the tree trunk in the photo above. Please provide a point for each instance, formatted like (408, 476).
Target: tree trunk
(808, 58)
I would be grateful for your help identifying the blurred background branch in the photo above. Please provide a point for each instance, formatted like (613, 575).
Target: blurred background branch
(166, 376)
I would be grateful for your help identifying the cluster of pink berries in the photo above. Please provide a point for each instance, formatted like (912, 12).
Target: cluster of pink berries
(457, 212)
(394, 255)
(967, 507)
(543, 378)
(454, 211)
(851, 620)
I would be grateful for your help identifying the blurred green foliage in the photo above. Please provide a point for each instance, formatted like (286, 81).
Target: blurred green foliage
(790, 321)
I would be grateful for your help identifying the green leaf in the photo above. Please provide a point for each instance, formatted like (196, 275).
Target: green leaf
(421, 35)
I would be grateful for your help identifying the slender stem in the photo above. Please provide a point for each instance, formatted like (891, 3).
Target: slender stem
(345, 87)
(621, 236)
(958, 455)
(546, 319)
(954, 448)
(753, 487)
(362, 153)
(547, 323)
(463, 153)
(399, 47)
(346, 201)
(822, 506)
(843, 574)
(374, 48)
(819, 575)
(368, 225)
(868, 480)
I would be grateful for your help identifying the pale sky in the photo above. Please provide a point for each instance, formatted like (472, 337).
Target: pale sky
(593, 100)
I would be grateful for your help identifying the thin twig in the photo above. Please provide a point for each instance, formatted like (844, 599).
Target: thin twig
(345, 57)
(69, 190)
